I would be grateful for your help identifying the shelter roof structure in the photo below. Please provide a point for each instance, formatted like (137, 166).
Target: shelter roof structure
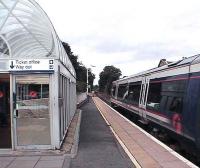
(26, 32)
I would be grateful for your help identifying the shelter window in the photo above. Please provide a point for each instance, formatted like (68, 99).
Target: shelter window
(32, 91)
(32, 105)
(64, 103)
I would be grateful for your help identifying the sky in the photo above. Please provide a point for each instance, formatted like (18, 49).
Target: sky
(132, 35)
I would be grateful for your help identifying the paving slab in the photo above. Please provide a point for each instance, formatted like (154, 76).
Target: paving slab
(49, 164)
(45, 158)
(4, 164)
(50, 158)
(27, 158)
(22, 163)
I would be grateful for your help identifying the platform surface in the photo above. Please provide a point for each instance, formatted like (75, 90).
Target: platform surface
(98, 147)
(143, 147)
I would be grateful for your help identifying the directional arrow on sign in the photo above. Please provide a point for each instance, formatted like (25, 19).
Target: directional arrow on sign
(12, 65)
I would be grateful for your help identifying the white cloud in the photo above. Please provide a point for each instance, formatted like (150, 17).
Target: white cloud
(127, 33)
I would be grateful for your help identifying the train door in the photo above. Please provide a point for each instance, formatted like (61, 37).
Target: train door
(143, 97)
(5, 119)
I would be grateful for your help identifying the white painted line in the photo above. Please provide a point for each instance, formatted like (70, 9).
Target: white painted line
(156, 140)
(137, 165)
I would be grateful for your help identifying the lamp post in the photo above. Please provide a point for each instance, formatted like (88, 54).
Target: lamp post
(87, 81)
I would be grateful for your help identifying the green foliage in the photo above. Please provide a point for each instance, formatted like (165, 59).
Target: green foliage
(91, 78)
(81, 71)
(96, 87)
(107, 76)
(81, 86)
(81, 76)
(73, 58)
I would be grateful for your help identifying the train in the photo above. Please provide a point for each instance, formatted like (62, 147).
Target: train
(165, 99)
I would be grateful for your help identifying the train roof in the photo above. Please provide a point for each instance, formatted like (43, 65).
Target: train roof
(183, 62)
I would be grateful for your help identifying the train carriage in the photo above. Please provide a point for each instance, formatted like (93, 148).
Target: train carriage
(166, 98)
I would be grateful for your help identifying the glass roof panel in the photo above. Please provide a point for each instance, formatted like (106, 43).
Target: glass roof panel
(3, 48)
(28, 32)
(20, 39)
(9, 3)
(36, 25)
(3, 14)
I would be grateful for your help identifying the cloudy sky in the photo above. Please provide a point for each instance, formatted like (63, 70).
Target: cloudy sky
(132, 35)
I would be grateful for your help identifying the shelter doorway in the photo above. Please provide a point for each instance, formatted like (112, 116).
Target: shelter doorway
(31, 111)
(5, 119)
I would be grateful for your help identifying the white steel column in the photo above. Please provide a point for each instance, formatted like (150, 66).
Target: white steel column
(54, 107)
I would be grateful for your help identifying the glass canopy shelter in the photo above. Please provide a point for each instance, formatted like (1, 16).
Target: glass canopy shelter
(37, 79)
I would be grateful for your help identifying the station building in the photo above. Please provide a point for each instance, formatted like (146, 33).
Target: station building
(37, 79)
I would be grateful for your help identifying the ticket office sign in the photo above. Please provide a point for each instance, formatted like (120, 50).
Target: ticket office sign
(31, 65)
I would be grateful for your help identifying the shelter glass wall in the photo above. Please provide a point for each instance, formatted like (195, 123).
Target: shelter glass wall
(33, 119)
(38, 112)
(66, 108)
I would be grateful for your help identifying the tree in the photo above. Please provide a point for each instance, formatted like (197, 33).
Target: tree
(73, 58)
(91, 78)
(96, 87)
(81, 70)
(107, 76)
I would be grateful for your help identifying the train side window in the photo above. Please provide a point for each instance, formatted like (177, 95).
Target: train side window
(122, 90)
(113, 91)
(174, 86)
(176, 105)
(163, 103)
(154, 97)
(134, 94)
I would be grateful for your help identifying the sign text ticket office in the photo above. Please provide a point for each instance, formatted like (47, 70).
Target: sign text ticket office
(31, 64)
